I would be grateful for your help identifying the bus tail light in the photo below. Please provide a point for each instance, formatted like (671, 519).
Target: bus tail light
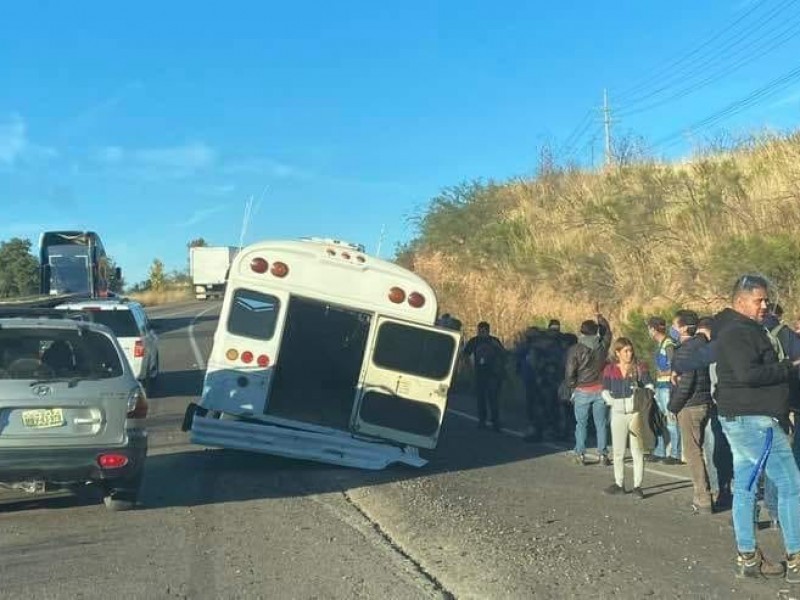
(397, 295)
(263, 361)
(416, 300)
(280, 269)
(247, 357)
(232, 354)
(259, 265)
(138, 349)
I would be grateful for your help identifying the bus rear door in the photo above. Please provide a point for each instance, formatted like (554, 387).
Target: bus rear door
(403, 390)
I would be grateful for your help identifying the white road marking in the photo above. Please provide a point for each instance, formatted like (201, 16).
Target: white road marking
(553, 446)
(201, 364)
(157, 315)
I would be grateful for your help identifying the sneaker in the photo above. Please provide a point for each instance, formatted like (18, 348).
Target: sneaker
(702, 509)
(614, 490)
(638, 493)
(671, 461)
(580, 459)
(793, 568)
(653, 458)
(604, 460)
(723, 500)
(754, 565)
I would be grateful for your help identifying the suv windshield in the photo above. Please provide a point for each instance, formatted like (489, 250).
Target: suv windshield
(121, 322)
(41, 353)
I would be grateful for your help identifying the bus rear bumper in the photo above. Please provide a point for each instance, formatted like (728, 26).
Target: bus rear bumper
(327, 446)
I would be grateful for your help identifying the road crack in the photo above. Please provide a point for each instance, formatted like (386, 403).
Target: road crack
(416, 565)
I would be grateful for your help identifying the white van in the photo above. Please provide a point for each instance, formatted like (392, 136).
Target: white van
(325, 353)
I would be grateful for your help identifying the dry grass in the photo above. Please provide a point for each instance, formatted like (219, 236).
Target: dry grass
(643, 237)
(155, 298)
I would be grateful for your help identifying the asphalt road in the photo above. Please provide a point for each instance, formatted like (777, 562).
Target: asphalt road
(489, 517)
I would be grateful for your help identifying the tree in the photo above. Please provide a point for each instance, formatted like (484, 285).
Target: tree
(156, 276)
(178, 278)
(115, 285)
(19, 269)
(197, 243)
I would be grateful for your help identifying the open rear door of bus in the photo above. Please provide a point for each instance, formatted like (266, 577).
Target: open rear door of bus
(403, 392)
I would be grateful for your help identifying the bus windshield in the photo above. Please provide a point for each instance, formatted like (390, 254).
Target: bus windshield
(70, 271)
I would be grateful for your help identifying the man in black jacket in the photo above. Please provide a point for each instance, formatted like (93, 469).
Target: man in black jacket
(753, 401)
(689, 402)
(584, 375)
(489, 356)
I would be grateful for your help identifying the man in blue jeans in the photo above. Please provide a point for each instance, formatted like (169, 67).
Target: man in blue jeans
(584, 375)
(753, 391)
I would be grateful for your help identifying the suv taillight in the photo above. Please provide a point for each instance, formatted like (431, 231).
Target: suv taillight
(138, 349)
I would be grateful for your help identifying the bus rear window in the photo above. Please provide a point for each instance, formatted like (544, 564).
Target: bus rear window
(253, 315)
(414, 351)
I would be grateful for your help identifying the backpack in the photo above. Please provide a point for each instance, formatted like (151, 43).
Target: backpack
(662, 360)
(772, 334)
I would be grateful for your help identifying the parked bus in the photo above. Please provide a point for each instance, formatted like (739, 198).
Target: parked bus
(325, 353)
(73, 262)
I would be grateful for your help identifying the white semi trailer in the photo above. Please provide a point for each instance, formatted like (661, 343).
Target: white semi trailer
(208, 267)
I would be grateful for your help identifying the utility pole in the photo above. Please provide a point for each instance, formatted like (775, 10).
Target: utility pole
(607, 123)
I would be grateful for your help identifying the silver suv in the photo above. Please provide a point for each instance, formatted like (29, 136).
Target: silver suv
(129, 322)
(71, 410)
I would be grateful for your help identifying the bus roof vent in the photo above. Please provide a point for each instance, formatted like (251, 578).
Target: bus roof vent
(334, 242)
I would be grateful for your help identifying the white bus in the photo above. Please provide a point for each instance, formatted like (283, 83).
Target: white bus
(325, 353)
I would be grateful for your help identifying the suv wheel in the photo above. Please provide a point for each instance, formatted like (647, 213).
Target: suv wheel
(122, 495)
(118, 504)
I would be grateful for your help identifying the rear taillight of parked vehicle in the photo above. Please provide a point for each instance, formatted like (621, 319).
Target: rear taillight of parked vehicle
(112, 461)
(138, 349)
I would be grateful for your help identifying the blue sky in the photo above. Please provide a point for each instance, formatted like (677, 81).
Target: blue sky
(153, 122)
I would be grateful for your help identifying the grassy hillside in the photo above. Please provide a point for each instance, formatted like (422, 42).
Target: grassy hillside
(635, 239)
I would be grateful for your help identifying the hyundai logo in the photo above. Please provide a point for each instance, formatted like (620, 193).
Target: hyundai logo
(42, 390)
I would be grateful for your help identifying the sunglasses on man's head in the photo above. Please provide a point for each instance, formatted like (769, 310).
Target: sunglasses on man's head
(751, 282)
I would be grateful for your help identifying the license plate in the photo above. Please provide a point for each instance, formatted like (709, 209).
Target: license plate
(43, 418)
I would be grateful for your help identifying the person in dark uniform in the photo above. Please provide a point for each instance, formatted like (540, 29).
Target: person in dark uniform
(488, 355)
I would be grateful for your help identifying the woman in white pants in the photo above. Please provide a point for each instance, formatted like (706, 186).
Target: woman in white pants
(621, 376)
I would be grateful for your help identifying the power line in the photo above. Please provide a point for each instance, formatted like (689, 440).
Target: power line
(792, 32)
(577, 133)
(658, 72)
(744, 55)
(756, 97)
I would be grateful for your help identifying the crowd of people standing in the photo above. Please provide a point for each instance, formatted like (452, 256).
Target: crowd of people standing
(719, 396)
